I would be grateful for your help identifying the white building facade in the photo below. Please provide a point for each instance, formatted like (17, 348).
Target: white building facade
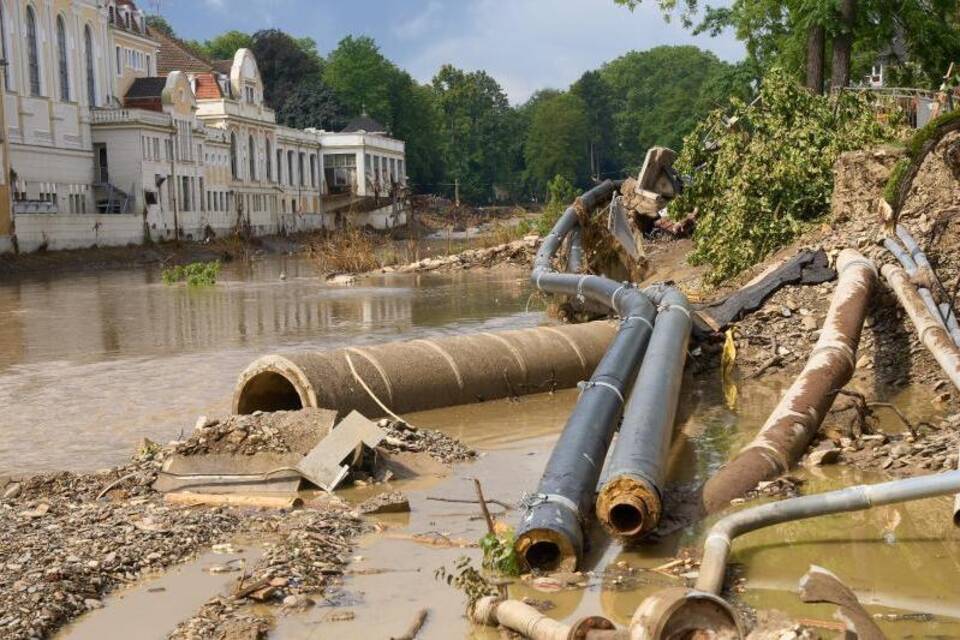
(116, 135)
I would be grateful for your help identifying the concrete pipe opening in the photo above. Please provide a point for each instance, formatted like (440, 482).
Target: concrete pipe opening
(272, 383)
(546, 550)
(544, 555)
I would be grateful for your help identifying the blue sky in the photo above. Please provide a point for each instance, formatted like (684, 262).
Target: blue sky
(525, 44)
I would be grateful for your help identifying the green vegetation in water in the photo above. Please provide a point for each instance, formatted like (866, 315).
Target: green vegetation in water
(468, 579)
(560, 195)
(763, 171)
(195, 274)
(499, 554)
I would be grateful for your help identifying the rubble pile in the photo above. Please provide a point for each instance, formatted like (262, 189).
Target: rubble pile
(439, 446)
(931, 448)
(63, 549)
(69, 539)
(519, 253)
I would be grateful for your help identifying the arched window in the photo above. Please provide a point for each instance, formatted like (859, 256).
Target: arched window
(88, 57)
(252, 148)
(33, 57)
(62, 60)
(3, 47)
(269, 160)
(233, 155)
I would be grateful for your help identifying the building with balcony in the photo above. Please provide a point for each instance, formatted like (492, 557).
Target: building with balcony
(119, 135)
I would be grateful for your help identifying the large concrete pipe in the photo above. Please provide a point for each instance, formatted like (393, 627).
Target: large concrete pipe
(630, 502)
(788, 431)
(550, 534)
(425, 374)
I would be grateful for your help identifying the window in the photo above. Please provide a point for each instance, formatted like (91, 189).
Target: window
(202, 207)
(62, 60)
(233, 155)
(119, 62)
(313, 170)
(290, 167)
(401, 176)
(252, 150)
(300, 163)
(185, 192)
(33, 58)
(149, 64)
(268, 158)
(279, 166)
(393, 170)
(88, 54)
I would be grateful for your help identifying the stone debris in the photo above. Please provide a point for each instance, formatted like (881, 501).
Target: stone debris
(402, 437)
(390, 502)
(66, 546)
(519, 253)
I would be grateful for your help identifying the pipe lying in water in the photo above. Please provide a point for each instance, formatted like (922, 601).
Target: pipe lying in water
(788, 431)
(671, 613)
(416, 375)
(956, 503)
(919, 269)
(930, 329)
(522, 618)
(629, 504)
(550, 534)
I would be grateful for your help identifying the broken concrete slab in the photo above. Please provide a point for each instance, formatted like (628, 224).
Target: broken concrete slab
(323, 466)
(391, 502)
(221, 473)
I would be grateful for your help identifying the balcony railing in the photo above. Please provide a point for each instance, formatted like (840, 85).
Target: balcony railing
(129, 116)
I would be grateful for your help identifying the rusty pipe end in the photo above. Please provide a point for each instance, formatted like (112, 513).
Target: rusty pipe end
(546, 550)
(589, 628)
(628, 507)
(677, 613)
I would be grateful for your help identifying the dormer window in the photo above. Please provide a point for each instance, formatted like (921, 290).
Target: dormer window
(250, 94)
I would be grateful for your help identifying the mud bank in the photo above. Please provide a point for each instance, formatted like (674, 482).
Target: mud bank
(71, 539)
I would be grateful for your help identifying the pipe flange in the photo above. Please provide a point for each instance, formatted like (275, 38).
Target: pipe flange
(583, 626)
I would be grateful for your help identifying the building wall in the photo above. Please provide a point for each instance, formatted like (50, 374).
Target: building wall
(53, 231)
(55, 137)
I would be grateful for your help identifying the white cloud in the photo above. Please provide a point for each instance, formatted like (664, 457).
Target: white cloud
(532, 44)
(421, 24)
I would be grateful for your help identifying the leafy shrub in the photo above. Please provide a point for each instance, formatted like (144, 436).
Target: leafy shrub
(560, 195)
(764, 170)
(195, 274)
(499, 554)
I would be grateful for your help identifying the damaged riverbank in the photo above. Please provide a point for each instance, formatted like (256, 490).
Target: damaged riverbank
(71, 539)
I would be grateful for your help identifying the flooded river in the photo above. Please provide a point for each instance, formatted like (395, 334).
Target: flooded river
(91, 363)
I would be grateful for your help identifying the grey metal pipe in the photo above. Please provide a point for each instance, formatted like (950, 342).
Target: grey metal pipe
(716, 549)
(574, 250)
(550, 534)
(922, 265)
(629, 503)
(943, 312)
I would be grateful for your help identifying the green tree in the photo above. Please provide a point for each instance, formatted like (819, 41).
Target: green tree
(284, 66)
(361, 76)
(413, 119)
(598, 108)
(558, 140)
(311, 103)
(659, 95)
(159, 24)
(475, 126)
(225, 45)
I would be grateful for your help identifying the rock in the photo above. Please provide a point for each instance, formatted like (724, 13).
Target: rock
(392, 502)
(343, 279)
(12, 490)
(785, 311)
(809, 323)
(825, 456)
(900, 450)
(92, 603)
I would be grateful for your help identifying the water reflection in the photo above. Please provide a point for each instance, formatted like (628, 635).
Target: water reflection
(92, 362)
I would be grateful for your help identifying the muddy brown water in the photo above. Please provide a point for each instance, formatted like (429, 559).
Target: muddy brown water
(92, 362)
